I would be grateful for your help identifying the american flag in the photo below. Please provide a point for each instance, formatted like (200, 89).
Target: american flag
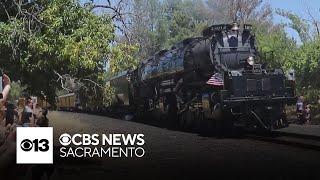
(216, 80)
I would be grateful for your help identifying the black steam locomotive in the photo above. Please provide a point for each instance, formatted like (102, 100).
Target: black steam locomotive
(216, 79)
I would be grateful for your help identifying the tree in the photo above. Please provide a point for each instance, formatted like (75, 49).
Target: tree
(296, 23)
(15, 91)
(273, 41)
(157, 25)
(305, 58)
(243, 11)
(50, 41)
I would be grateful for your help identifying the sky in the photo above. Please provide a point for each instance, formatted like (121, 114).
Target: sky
(299, 7)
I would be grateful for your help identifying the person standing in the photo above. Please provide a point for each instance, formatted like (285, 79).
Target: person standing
(27, 116)
(43, 121)
(308, 114)
(300, 109)
(11, 114)
(8, 143)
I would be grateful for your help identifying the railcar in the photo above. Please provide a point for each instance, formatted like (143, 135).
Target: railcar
(68, 102)
(219, 78)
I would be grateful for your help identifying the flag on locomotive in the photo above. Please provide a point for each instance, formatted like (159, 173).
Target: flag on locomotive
(216, 80)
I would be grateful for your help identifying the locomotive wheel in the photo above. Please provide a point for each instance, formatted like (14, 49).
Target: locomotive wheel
(217, 122)
(187, 120)
(172, 111)
(140, 116)
(226, 127)
(190, 121)
(220, 125)
(206, 126)
(199, 116)
(171, 116)
(182, 120)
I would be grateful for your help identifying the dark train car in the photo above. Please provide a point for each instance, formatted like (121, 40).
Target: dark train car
(120, 84)
(216, 78)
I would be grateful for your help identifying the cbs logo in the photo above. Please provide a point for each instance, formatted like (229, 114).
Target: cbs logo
(65, 139)
(79, 139)
(35, 145)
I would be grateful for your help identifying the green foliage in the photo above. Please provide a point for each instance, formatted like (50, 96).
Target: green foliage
(108, 94)
(306, 63)
(85, 43)
(161, 24)
(72, 36)
(122, 58)
(296, 23)
(305, 59)
(275, 43)
(63, 37)
(15, 91)
(311, 94)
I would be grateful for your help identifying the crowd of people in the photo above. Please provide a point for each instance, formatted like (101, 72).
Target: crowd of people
(10, 118)
(30, 116)
(7, 133)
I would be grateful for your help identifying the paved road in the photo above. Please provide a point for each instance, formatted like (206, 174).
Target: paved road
(174, 154)
(313, 130)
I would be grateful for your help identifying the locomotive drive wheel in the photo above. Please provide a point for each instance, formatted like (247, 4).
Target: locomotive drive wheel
(139, 115)
(187, 120)
(182, 118)
(206, 127)
(199, 116)
(221, 125)
(190, 120)
(227, 124)
(171, 111)
(211, 126)
(171, 116)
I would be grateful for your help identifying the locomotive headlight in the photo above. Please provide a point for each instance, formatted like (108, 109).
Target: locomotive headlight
(250, 60)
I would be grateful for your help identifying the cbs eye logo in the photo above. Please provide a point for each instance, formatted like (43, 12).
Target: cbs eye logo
(65, 139)
(37, 145)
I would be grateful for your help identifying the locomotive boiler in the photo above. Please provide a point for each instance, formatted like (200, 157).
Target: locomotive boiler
(218, 79)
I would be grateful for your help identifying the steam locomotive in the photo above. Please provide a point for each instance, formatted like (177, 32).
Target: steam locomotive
(218, 79)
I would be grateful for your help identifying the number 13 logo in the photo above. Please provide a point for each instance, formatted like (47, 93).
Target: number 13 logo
(38, 145)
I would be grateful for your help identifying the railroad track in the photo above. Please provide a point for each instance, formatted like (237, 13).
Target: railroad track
(291, 139)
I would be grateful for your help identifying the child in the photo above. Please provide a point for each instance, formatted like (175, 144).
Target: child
(307, 114)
